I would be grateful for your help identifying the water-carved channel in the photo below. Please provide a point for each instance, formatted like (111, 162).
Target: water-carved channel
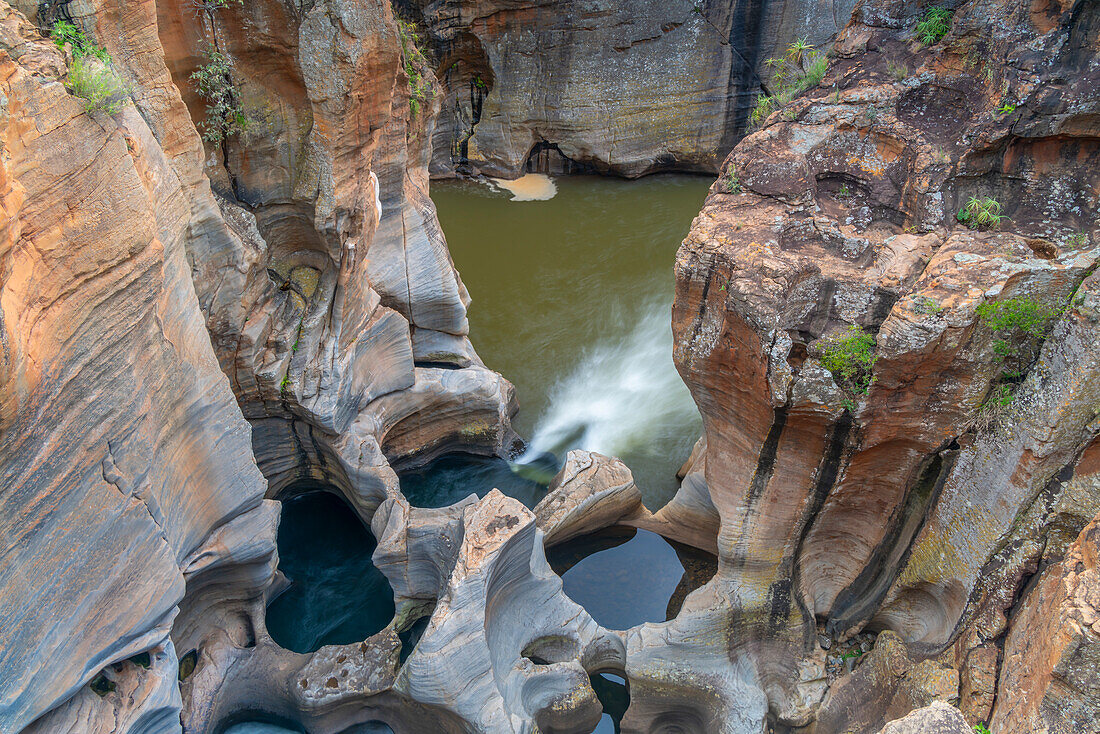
(571, 302)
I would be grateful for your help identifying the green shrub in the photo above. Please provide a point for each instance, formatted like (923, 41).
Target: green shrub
(799, 69)
(98, 84)
(225, 117)
(1031, 317)
(851, 358)
(933, 26)
(92, 75)
(64, 32)
(981, 213)
(981, 729)
(413, 59)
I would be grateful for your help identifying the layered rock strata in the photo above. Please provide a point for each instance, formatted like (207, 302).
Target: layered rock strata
(628, 89)
(918, 493)
(141, 268)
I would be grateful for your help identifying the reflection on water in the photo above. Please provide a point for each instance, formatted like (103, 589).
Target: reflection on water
(453, 477)
(624, 577)
(337, 595)
(571, 302)
(260, 727)
(614, 694)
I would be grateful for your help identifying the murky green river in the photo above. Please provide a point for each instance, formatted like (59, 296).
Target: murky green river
(572, 299)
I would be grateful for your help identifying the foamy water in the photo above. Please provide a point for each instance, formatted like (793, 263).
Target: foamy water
(531, 187)
(618, 396)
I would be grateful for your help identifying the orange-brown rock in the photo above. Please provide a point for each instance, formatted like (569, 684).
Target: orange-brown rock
(904, 496)
(1050, 675)
(125, 455)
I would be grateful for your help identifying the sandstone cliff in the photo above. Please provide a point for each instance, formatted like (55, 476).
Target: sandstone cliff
(918, 489)
(305, 261)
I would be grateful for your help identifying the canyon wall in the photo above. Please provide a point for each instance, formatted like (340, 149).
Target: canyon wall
(142, 267)
(624, 88)
(920, 489)
(899, 410)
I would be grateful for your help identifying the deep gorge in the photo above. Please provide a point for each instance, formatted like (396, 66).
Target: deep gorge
(778, 415)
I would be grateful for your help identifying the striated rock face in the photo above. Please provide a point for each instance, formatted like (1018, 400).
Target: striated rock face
(126, 461)
(905, 496)
(1052, 652)
(139, 268)
(625, 88)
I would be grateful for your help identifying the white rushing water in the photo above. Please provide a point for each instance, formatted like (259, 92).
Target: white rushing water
(620, 395)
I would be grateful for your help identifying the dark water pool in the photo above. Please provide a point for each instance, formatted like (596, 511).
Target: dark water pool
(262, 727)
(337, 596)
(625, 577)
(453, 477)
(614, 694)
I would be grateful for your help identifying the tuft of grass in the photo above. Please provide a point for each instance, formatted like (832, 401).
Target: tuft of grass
(933, 26)
(851, 358)
(799, 69)
(98, 84)
(981, 213)
(927, 306)
(212, 6)
(898, 71)
(996, 404)
(730, 182)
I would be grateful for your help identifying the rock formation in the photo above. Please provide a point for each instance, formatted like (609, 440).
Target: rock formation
(899, 463)
(628, 89)
(307, 265)
(918, 489)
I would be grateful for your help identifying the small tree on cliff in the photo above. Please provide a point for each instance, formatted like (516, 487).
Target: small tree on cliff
(225, 116)
(796, 71)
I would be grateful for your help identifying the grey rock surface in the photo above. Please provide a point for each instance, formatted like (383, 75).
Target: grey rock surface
(628, 89)
(936, 718)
